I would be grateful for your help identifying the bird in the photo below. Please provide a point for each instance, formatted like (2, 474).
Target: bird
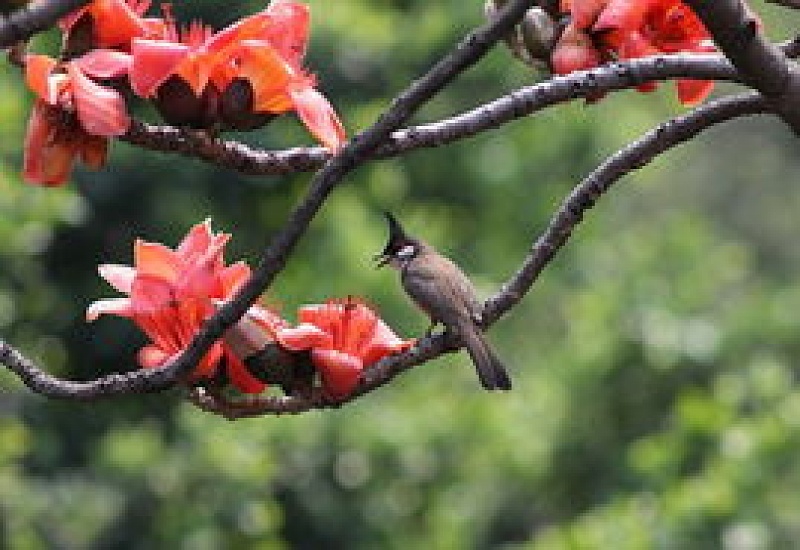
(441, 290)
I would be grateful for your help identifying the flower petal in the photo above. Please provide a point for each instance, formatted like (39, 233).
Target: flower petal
(383, 342)
(151, 294)
(288, 30)
(118, 276)
(318, 116)
(233, 277)
(196, 241)
(156, 260)
(116, 23)
(302, 337)
(38, 69)
(207, 367)
(101, 110)
(139, 6)
(241, 378)
(66, 22)
(93, 151)
(152, 356)
(154, 61)
(201, 274)
(267, 318)
(244, 29)
(121, 307)
(584, 12)
(624, 14)
(104, 63)
(340, 372)
(261, 65)
(45, 162)
(692, 92)
(574, 51)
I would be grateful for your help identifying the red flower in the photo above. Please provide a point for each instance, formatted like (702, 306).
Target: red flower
(603, 30)
(247, 72)
(343, 336)
(171, 293)
(73, 115)
(109, 24)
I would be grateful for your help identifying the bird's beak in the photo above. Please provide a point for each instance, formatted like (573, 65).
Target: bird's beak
(381, 260)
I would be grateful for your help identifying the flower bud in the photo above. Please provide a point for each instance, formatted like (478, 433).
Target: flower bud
(538, 32)
(531, 41)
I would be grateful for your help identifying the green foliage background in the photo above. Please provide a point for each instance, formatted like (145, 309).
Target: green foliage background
(656, 402)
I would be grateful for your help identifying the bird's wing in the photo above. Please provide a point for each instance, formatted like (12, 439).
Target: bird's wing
(443, 284)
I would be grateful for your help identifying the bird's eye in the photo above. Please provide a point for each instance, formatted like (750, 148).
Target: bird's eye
(406, 252)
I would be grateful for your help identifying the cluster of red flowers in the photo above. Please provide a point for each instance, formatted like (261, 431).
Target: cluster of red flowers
(171, 292)
(237, 78)
(605, 30)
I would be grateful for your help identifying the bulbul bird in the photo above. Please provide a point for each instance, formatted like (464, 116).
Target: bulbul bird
(446, 295)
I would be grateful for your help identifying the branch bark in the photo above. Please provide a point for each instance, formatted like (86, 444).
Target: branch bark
(761, 64)
(34, 18)
(517, 104)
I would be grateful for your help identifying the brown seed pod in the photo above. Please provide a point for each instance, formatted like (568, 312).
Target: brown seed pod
(236, 107)
(531, 41)
(178, 105)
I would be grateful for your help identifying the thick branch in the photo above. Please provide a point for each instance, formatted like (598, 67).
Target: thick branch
(761, 64)
(636, 155)
(517, 104)
(139, 381)
(34, 18)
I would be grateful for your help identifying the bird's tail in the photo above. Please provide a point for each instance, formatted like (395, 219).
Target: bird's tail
(491, 371)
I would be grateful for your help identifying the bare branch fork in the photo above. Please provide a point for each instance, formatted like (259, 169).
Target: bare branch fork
(384, 139)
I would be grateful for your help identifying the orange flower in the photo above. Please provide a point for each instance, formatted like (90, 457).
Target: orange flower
(170, 294)
(108, 24)
(603, 30)
(344, 336)
(239, 77)
(73, 115)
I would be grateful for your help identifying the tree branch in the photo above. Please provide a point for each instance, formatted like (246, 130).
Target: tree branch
(517, 104)
(761, 64)
(34, 18)
(39, 381)
(786, 3)
(636, 155)
(666, 135)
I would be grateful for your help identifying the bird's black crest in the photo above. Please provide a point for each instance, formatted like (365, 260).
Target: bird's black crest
(397, 236)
